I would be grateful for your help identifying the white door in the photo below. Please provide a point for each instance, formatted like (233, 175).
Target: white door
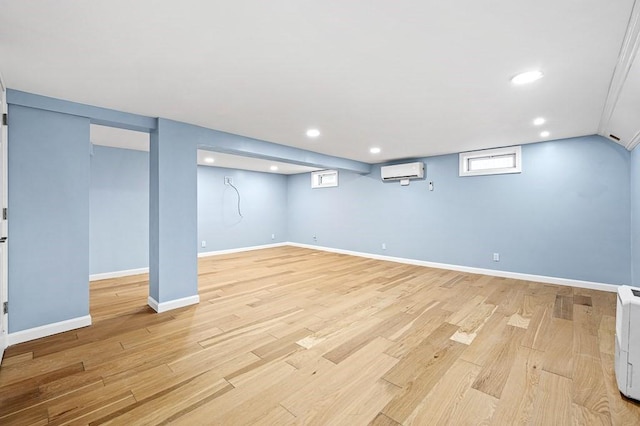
(3, 222)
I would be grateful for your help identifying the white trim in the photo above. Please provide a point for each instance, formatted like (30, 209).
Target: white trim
(492, 272)
(160, 307)
(48, 330)
(464, 157)
(118, 274)
(625, 61)
(240, 249)
(4, 224)
(635, 140)
(318, 176)
(129, 272)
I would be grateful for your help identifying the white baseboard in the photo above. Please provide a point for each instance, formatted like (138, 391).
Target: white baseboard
(160, 307)
(48, 330)
(492, 272)
(118, 274)
(129, 272)
(240, 249)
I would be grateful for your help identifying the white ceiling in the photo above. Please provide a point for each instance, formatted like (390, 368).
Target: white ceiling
(413, 77)
(139, 141)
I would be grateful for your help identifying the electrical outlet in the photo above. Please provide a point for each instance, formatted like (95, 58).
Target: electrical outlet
(273, 236)
(228, 180)
(203, 244)
(315, 238)
(384, 246)
(496, 257)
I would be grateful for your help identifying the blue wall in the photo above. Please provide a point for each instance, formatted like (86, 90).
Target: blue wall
(119, 237)
(263, 203)
(635, 216)
(566, 215)
(119, 210)
(49, 217)
(173, 265)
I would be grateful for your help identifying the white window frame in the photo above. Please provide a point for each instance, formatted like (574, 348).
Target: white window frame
(319, 176)
(465, 157)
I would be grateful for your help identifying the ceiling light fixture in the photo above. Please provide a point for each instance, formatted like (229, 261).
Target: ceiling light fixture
(527, 77)
(544, 134)
(209, 160)
(375, 150)
(313, 133)
(539, 121)
(273, 168)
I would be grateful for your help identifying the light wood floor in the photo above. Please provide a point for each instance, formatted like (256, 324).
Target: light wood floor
(290, 336)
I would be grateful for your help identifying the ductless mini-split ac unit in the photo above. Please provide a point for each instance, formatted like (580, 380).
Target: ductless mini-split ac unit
(402, 172)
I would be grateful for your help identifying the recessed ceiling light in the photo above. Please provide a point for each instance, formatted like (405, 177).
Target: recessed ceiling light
(544, 134)
(527, 77)
(313, 133)
(375, 150)
(273, 168)
(539, 121)
(209, 160)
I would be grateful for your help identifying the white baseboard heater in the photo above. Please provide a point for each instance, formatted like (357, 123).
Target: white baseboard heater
(627, 351)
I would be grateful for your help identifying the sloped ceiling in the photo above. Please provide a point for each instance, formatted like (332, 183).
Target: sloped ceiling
(414, 78)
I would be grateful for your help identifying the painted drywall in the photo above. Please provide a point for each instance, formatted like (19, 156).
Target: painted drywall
(635, 216)
(173, 263)
(263, 204)
(48, 156)
(51, 197)
(119, 210)
(567, 215)
(119, 232)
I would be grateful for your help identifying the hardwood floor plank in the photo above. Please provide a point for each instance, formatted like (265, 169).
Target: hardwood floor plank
(323, 389)
(277, 416)
(559, 348)
(441, 402)
(145, 386)
(430, 371)
(553, 400)
(589, 390)
(584, 416)
(255, 382)
(473, 323)
(494, 374)
(475, 408)
(382, 329)
(426, 351)
(538, 328)
(516, 403)
(17, 359)
(582, 300)
(19, 395)
(623, 411)
(265, 402)
(92, 412)
(180, 400)
(563, 308)
(606, 334)
(483, 347)
(36, 415)
(383, 420)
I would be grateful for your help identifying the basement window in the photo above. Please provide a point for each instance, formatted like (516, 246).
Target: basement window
(491, 161)
(324, 178)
